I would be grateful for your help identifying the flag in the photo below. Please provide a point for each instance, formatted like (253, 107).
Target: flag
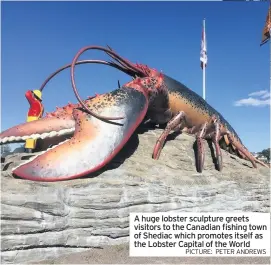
(203, 51)
(267, 28)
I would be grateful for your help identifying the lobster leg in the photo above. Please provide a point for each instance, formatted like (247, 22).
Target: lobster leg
(209, 130)
(244, 151)
(241, 148)
(215, 137)
(174, 124)
(241, 154)
(191, 130)
(200, 155)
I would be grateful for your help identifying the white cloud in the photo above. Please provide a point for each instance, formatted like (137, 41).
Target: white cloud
(256, 99)
(261, 94)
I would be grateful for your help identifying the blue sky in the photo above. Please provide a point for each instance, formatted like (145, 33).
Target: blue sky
(39, 37)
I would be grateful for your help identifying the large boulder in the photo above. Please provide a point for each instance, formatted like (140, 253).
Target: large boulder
(42, 221)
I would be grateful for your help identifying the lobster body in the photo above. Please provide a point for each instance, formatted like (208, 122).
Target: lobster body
(96, 138)
(197, 109)
(175, 97)
(196, 116)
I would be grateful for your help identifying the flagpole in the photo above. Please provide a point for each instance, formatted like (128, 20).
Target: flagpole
(203, 81)
(269, 29)
(203, 69)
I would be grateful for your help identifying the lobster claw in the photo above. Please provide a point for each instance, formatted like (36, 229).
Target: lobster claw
(94, 143)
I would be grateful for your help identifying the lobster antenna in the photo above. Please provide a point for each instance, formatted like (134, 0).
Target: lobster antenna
(76, 92)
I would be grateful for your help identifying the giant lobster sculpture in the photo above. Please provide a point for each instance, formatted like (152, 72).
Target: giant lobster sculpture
(101, 125)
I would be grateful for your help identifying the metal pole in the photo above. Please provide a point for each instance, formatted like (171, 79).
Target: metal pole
(203, 72)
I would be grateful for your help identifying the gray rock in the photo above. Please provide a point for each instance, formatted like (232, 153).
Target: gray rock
(46, 220)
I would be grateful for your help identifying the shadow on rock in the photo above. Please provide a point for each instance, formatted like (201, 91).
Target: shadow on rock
(143, 128)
